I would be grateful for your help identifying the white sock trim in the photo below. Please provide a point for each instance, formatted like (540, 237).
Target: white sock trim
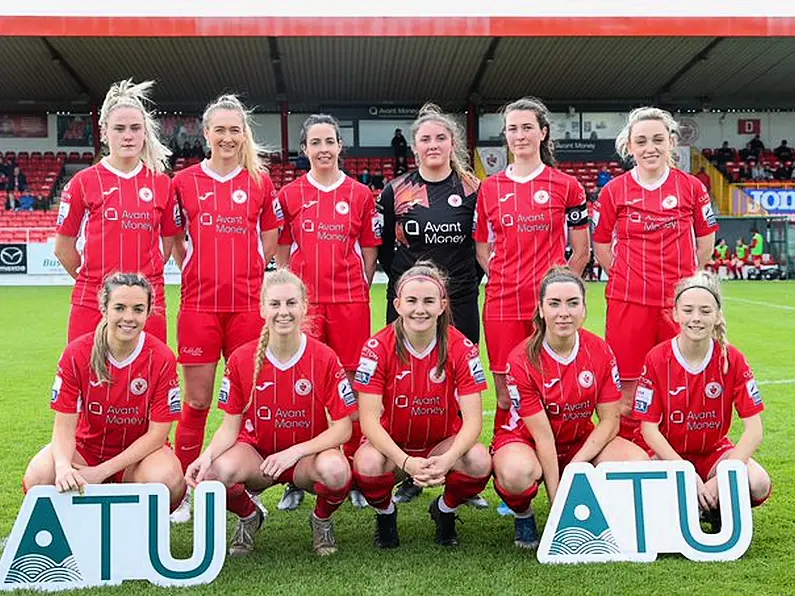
(444, 508)
(388, 511)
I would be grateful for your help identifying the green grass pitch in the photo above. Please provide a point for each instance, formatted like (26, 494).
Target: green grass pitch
(761, 318)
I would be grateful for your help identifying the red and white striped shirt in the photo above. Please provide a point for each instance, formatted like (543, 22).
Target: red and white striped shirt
(224, 217)
(144, 388)
(290, 399)
(326, 229)
(526, 220)
(118, 219)
(653, 230)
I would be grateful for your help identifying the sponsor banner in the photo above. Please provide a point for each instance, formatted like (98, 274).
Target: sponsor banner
(633, 511)
(585, 150)
(490, 160)
(13, 259)
(30, 126)
(75, 131)
(42, 259)
(756, 200)
(108, 534)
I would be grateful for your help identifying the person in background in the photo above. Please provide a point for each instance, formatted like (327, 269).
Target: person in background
(366, 178)
(739, 259)
(757, 247)
(399, 147)
(746, 172)
(197, 150)
(17, 181)
(603, 178)
(756, 146)
(759, 173)
(783, 152)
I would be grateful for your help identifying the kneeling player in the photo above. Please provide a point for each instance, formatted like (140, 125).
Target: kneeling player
(278, 394)
(556, 379)
(115, 396)
(687, 390)
(419, 382)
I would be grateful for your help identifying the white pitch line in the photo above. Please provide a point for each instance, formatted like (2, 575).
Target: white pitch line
(760, 303)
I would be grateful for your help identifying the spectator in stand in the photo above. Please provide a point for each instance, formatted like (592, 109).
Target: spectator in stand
(7, 169)
(756, 146)
(42, 203)
(603, 177)
(366, 178)
(186, 150)
(399, 145)
(724, 154)
(173, 146)
(759, 173)
(11, 201)
(745, 174)
(17, 180)
(784, 171)
(746, 153)
(198, 150)
(783, 152)
(705, 180)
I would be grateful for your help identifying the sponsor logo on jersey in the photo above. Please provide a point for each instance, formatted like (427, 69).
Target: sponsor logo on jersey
(402, 375)
(110, 191)
(551, 383)
(616, 376)
(454, 200)
(177, 216)
(709, 214)
(223, 393)
(94, 407)
(670, 202)
(643, 398)
(56, 388)
(264, 413)
(206, 196)
(138, 386)
(63, 212)
(372, 343)
(206, 219)
(308, 225)
(677, 391)
(677, 416)
(753, 392)
(346, 393)
(541, 197)
(145, 194)
(585, 379)
(476, 369)
(365, 370)
(111, 214)
(553, 408)
(264, 386)
(507, 220)
(378, 225)
(174, 401)
(303, 387)
(342, 208)
(713, 390)
(239, 196)
(401, 401)
(516, 398)
(505, 197)
(412, 227)
(249, 425)
(277, 209)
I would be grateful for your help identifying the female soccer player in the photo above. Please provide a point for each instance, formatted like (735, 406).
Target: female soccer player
(688, 389)
(419, 382)
(557, 378)
(526, 215)
(120, 208)
(115, 396)
(278, 395)
(231, 218)
(654, 225)
(330, 240)
(740, 259)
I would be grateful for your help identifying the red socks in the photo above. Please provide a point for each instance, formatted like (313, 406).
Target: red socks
(376, 489)
(518, 503)
(238, 501)
(459, 487)
(330, 499)
(190, 434)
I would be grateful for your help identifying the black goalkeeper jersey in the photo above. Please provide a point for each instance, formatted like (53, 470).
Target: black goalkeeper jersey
(430, 221)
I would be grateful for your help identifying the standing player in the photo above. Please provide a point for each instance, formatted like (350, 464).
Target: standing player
(231, 219)
(654, 226)
(330, 240)
(118, 367)
(556, 378)
(119, 210)
(739, 259)
(688, 389)
(526, 215)
(278, 395)
(419, 382)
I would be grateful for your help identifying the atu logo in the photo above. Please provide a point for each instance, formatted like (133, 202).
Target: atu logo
(632, 511)
(112, 533)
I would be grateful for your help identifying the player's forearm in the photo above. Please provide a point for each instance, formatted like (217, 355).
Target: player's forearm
(705, 247)
(380, 439)
(370, 256)
(483, 255)
(465, 439)
(658, 443)
(225, 437)
(178, 251)
(151, 441)
(168, 247)
(579, 259)
(750, 440)
(282, 255)
(335, 435)
(269, 244)
(66, 253)
(548, 458)
(63, 440)
(604, 255)
(600, 436)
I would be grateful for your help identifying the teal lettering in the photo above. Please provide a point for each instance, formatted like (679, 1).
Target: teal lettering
(734, 498)
(637, 479)
(105, 504)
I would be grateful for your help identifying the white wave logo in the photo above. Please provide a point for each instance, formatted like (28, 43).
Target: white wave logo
(37, 568)
(579, 541)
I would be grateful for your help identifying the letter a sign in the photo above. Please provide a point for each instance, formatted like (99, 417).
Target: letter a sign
(632, 511)
(113, 532)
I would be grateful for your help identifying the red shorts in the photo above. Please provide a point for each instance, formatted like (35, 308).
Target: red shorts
(285, 477)
(203, 336)
(565, 452)
(501, 338)
(629, 429)
(83, 319)
(633, 330)
(704, 462)
(344, 327)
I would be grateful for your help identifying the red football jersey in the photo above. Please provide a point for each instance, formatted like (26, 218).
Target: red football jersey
(653, 231)
(326, 228)
(527, 221)
(420, 408)
(290, 399)
(118, 220)
(143, 388)
(224, 217)
(694, 406)
(567, 389)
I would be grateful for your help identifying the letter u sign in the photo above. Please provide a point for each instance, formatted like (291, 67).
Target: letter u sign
(632, 511)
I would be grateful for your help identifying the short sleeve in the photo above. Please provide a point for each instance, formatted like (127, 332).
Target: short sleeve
(72, 208)
(286, 235)
(372, 222)
(171, 224)
(604, 216)
(231, 398)
(340, 398)
(470, 376)
(371, 371)
(648, 405)
(746, 395)
(576, 205)
(522, 388)
(480, 225)
(705, 221)
(271, 216)
(610, 387)
(66, 392)
(166, 400)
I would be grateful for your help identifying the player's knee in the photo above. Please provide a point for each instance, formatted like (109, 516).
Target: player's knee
(166, 472)
(760, 484)
(477, 461)
(332, 469)
(36, 475)
(369, 462)
(223, 470)
(516, 476)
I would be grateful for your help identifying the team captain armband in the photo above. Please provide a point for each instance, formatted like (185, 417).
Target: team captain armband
(577, 216)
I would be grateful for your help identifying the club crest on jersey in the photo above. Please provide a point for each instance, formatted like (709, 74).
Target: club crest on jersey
(138, 386)
(713, 390)
(454, 200)
(670, 202)
(239, 196)
(303, 387)
(342, 208)
(372, 343)
(585, 379)
(541, 197)
(145, 194)
(437, 378)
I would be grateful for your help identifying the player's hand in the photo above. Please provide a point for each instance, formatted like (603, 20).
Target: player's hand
(278, 463)
(711, 492)
(437, 468)
(68, 479)
(197, 470)
(416, 468)
(705, 500)
(93, 475)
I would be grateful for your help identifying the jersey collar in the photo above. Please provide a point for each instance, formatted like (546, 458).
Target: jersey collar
(558, 358)
(654, 185)
(205, 165)
(523, 179)
(322, 188)
(424, 353)
(681, 359)
(135, 353)
(126, 175)
(283, 366)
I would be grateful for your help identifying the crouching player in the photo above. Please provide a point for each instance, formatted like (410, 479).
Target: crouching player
(278, 395)
(687, 390)
(115, 396)
(557, 378)
(419, 382)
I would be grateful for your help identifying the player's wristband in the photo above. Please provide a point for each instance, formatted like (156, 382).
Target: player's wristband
(405, 461)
